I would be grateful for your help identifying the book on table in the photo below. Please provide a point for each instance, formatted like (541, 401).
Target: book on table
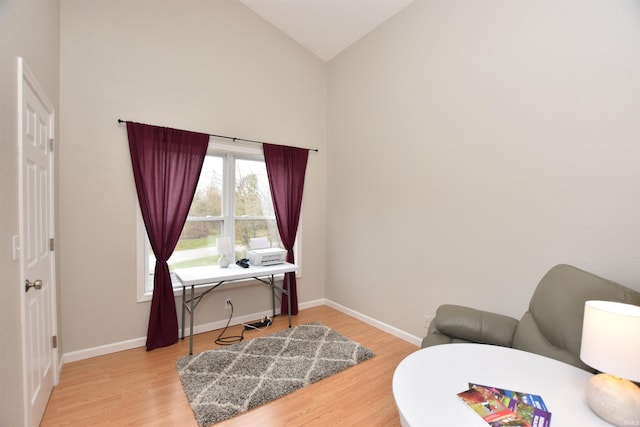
(502, 407)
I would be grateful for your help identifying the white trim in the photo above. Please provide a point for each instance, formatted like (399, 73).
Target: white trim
(141, 342)
(229, 201)
(102, 350)
(246, 150)
(141, 264)
(376, 323)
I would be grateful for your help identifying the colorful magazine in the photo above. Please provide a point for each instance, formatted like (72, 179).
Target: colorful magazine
(484, 404)
(501, 408)
(534, 417)
(528, 398)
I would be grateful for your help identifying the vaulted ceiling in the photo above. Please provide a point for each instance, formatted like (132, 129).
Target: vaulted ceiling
(326, 27)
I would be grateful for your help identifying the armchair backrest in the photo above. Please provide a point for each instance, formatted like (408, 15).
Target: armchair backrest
(553, 324)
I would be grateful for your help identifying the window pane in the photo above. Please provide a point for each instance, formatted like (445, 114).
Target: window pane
(254, 214)
(249, 229)
(208, 198)
(197, 244)
(252, 194)
(191, 252)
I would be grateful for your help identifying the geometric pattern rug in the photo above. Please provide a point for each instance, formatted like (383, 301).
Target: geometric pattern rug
(227, 381)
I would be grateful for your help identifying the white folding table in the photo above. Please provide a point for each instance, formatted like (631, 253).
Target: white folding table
(213, 276)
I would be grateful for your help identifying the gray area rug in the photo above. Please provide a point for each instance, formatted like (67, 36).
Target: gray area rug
(227, 381)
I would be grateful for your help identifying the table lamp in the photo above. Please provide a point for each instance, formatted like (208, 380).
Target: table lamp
(223, 245)
(611, 345)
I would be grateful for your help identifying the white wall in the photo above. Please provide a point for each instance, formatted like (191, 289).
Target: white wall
(28, 29)
(208, 66)
(474, 144)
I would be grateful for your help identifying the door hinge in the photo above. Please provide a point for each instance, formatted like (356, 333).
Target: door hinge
(51, 244)
(51, 144)
(54, 341)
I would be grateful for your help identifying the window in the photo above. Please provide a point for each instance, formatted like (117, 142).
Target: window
(232, 199)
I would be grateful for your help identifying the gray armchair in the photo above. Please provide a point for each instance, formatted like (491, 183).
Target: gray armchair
(551, 327)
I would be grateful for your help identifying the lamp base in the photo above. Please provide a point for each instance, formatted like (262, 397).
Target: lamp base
(223, 261)
(614, 399)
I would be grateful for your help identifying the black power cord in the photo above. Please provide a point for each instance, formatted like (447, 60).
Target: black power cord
(221, 340)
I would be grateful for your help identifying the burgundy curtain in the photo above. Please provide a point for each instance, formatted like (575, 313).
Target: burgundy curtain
(166, 166)
(286, 167)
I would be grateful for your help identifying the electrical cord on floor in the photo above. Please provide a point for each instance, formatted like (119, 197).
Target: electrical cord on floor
(230, 339)
(266, 321)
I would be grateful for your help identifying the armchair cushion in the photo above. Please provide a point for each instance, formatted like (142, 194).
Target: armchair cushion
(530, 338)
(557, 306)
(475, 325)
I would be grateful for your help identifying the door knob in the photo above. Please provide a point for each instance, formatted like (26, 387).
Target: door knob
(28, 285)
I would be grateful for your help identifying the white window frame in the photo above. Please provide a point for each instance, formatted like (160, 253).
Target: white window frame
(238, 150)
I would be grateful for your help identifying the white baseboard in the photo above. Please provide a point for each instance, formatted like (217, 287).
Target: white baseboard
(412, 339)
(87, 353)
(74, 356)
(141, 342)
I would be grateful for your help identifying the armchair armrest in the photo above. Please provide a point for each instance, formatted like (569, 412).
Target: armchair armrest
(435, 337)
(475, 325)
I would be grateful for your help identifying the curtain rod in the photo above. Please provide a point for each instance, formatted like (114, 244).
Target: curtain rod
(234, 139)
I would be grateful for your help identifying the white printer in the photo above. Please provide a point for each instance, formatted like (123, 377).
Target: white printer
(261, 254)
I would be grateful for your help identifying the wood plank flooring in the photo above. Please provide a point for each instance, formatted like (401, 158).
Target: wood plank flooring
(140, 388)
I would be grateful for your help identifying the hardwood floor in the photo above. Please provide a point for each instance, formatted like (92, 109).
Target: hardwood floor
(140, 388)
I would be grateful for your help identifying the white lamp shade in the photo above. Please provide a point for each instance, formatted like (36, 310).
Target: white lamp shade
(611, 338)
(223, 245)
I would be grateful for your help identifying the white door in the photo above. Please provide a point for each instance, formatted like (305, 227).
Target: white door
(36, 121)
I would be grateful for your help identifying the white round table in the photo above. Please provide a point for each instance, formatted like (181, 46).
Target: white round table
(426, 383)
